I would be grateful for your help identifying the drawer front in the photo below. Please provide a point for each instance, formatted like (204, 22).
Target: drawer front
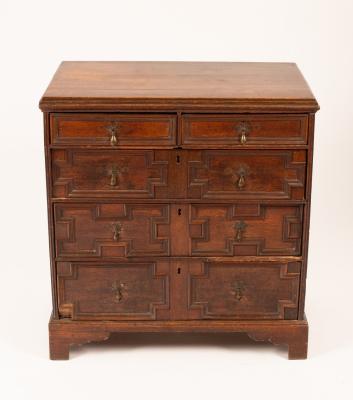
(113, 129)
(230, 290)
(245, 230)
(123, 291)
(109, 173)
(111, 230)
(246, 174)
(244, 130)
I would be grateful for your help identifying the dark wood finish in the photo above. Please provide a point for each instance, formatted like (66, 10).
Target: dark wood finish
(228, 130)
(108, 230)
(124, 291)
(64, 333)
(245, 230)
(178, 200)
(246, 174)
(307, 216)
(112, 174)
(161, 174)
(245, 291)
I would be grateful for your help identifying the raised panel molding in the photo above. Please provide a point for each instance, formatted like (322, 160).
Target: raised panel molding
(88, 291)
(90, 230)
(214, 174)
(231, 290)
(178, 200)
(87, 173)
(269, 230)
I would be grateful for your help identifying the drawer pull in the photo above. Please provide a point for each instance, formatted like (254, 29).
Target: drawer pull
(239, 227)
(115, 172)
(238, 176)
(241, 180)
(114, 176)
(113, 128)
(117, 228)
(243, 128)
(238, 290)
(243, 138)
(118, 288)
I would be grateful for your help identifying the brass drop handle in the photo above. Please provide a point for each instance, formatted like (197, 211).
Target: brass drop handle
(239, 227)
(243, 128)
(115, 173)
(118, 288)
(238, 290)
(113, 128)
(114, 176)
(117, 228)
(243, 138)
(241, 180)
(238, 175)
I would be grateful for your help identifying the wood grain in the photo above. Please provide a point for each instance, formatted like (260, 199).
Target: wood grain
(169, 85)
(65, 333)
(178, 198)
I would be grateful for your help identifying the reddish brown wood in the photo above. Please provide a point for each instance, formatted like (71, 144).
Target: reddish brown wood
(245, 230)
(246, 174)
(178, 200)
(159, 86)
(62, 336)
(111, 230)
(123, 291)
(65, 333)
(128, 130)
(110, 174)
(306, 225)
(46, 121)
(212, 130)
(188, 174)
(242, 291)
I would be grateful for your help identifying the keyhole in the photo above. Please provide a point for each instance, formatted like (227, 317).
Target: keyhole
(179, 271)
(178, 159)
(179, 211)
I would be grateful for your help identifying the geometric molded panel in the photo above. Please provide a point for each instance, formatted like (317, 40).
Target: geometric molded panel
(122, 291)
(108, 173)
(111, 230)
(246, 174)
(231, 290)
(245, 230)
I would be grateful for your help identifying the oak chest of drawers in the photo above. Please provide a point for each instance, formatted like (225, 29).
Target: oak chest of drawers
(178, 200)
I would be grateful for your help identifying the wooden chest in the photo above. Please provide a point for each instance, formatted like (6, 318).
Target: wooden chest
(178, 200)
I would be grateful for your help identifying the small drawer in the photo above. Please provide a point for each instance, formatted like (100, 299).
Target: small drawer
(82, 173)
(245, 230)
(115, 130)
(240, 290)
(246, 174)
(243, 130)
(95, 231)
(120, 291)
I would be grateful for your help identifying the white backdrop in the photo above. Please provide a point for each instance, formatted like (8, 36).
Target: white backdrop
(34, 37)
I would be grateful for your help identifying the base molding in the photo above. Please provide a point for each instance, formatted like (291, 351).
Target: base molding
(64, 332)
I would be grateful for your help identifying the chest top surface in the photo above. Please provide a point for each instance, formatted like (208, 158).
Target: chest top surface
(111, 85)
